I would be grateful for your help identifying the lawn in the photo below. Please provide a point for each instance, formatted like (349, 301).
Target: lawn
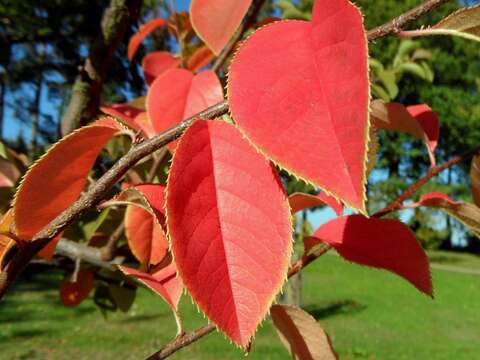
(369, 314)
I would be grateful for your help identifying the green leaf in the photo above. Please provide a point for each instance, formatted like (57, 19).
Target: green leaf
(122, 296)
(89, 229)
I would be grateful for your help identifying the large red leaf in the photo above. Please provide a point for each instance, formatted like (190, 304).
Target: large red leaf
(163, 282)
(301, 201)
(417, 120)
(304, 102)
(301, 334)
(215, 21)
(179, 94)
(156, 63)
(141, 34)
(385, 244)
(54, 182)
(229, 225)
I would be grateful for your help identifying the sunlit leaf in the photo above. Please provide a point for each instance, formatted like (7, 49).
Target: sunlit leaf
(304, 103)
(156, 63)
(230, 234)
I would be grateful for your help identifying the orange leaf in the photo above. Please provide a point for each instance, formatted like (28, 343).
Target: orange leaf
(141, 34)
(55, 181)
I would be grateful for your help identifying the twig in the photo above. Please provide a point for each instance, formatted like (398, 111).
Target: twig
(396, 25)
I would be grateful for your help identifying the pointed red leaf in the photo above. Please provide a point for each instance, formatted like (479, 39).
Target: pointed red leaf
(305, 102)
(301, 334)
(156, 63)
(215, 21)
(54, 182)
(179, 94)
(229, 226)
(141, 34)
(300, 201)
(200, 58)
(380, 243)
(416, 120)
(49, 250)
(163, 282)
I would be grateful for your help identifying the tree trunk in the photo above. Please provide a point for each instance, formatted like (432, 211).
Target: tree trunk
(85, 100)
(2, 102)
(36, 115)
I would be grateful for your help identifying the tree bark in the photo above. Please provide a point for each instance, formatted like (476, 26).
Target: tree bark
(87, 89)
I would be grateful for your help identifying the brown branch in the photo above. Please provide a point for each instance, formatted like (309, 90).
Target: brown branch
(396, 25)
(85, 99)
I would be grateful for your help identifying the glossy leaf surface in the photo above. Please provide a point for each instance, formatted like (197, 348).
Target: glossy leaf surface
(229, 225)
(304, 102)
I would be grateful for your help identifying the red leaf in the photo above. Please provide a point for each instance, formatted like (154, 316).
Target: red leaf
(301, 334)
(215, 21)
(416, 120)
(179, 94)
(163, 282)
(300, 201)
(305, 102)
(380, 243)
(73, 293)
(200, 58)
(54, 182)
(141, 34)
(229, 226)
(49, 250)
(156, 63)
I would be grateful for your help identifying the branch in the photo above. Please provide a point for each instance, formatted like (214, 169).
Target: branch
(397, 204)
(85, 98)
(396, 25)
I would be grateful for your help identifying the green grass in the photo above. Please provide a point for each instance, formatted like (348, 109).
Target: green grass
(369, 314)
